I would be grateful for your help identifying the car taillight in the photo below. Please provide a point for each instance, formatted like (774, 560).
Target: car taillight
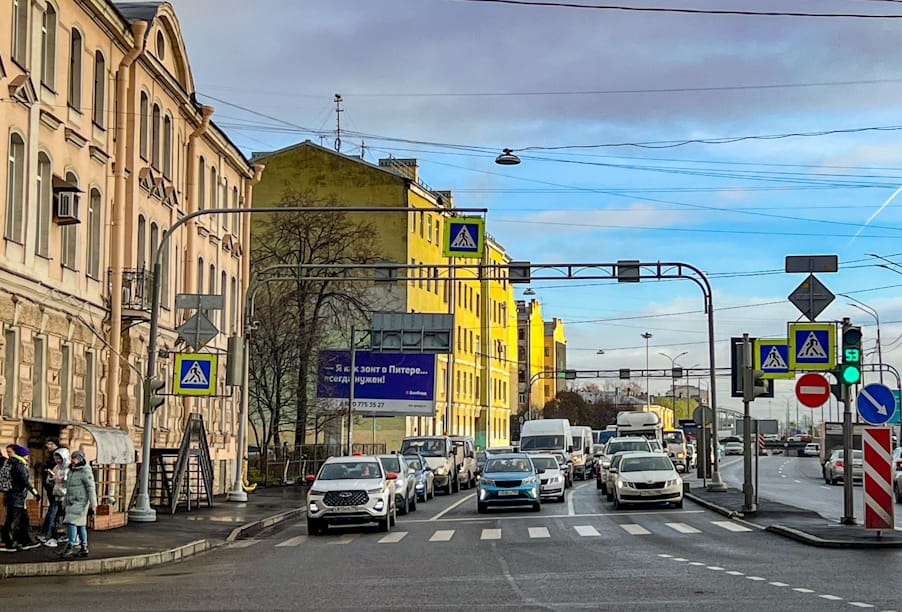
(839, 464)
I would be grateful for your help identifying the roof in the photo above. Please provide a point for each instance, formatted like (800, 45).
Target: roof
(141, 11)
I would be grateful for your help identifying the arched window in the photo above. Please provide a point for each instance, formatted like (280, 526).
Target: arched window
(141, 246)
(48, 46)
(154, 242)
(201, 184)
(99, 89)
(144, 112)
(167, 147)
(222, 291)
(95, 233)
(214, 189)
(69, 242)
(234, 310)
(200, 274)
(212, 287)
(75, 59)
(164, 281)
(155, 137)
(235, 207)
(45, 205)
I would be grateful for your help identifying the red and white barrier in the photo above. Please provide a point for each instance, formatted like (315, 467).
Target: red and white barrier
(878, 478)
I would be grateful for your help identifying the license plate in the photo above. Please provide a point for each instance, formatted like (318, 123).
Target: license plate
(507, 493)
(346, 509)
(652, 492)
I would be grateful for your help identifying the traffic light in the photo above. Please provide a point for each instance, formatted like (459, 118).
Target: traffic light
(850, 367)
(154, 398)
(754, 385)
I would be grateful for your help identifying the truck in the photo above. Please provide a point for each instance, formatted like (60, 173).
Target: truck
(444, 459)
(547, 435)
(583, 459)
(832, 438)
(635, 423)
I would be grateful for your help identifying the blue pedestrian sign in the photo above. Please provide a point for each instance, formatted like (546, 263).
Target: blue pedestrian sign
(772, 358)
(876, 403)
(464, 237)
(812, 346)
(195, 374)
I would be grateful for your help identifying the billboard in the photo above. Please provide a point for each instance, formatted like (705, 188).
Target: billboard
(385, 384)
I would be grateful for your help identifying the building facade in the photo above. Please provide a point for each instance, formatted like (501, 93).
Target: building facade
(554, 355)
(473, 388)
(106, 148)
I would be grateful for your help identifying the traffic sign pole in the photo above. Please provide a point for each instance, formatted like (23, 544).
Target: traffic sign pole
(747, 489)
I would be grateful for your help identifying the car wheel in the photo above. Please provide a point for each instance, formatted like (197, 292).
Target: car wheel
(561, 498)
(616, 503)
(456, 483)
(315, 527)
(404, 508)
(481, 508)
(537, 507)
(413, 503)
(678, 504)
(609, 496)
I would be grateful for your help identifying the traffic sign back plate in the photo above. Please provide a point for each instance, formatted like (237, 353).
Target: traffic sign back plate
(811, 297)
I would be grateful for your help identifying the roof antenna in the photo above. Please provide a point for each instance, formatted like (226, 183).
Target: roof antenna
(362, 149)
(338, 111)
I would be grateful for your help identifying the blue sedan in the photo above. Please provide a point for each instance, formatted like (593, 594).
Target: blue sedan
(509, 480)
(423, 476)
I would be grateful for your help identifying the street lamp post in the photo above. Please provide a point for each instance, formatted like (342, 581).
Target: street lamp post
(673, 383)
(647, 336)
(530, 292)
(872, 312)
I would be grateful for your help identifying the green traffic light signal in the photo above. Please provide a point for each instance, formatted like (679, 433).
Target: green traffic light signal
(851, 374)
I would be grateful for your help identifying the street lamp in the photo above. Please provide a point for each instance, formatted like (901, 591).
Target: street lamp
(871, 311)
(507, 158)
(599, 352)
(673, 381)
(647, 336)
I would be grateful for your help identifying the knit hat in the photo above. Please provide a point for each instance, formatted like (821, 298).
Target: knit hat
(19, 450)
(78, 455)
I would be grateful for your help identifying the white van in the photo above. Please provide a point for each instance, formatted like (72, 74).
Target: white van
(547, 435)
(582, 451)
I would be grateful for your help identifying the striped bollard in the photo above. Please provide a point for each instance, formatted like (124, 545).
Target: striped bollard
(878, 478)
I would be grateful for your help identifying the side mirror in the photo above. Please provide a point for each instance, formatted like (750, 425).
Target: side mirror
(391, 476)
(310, 477)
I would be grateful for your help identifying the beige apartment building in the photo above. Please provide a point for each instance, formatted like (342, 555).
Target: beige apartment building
(106, 147)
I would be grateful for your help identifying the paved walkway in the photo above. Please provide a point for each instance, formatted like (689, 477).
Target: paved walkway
(803, 525)
(170, 538)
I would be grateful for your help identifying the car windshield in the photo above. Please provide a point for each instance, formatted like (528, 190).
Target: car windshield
(541, 442)
(673, 436)
(626, 445)
(507, 465)
(480, 457)
(545, 463)
(413, 463)
(350, 470)
(391, 464)
(425, 447)
(645, 464)
(577, 441)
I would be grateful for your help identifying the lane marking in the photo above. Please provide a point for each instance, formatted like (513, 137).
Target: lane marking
(538, 532)
(570, 510)
(683, 528)
(452, 507)
(860, 604)
(587, 531)
(679, 559)
(715, 568)
(442, 535)
(476, 519)
(696, 563)
(346, 538)
(665, 556)
(778, 584)
(803, 590)
(830, 597)
(292, 541)
(730, 526)
(633, 529)
(391, 538)
(735, 573)
(490, 534)
(756, 578)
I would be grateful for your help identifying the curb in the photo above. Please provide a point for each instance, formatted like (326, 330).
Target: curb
(134, 562)
(807, 538)
(712, 506)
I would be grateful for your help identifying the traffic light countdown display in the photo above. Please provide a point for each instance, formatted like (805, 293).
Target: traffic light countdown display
(850, 368)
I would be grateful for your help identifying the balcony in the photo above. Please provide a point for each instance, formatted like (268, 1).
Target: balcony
(136, 294)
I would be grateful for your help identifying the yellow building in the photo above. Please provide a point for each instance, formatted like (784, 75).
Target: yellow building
(321, 176)
(106, 148)
(554, 356)
(531, 374)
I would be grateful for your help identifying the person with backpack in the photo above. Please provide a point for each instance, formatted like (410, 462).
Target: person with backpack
(15, 486)
(81, 496)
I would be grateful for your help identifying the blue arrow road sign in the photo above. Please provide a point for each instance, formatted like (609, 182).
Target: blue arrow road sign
(876, 403)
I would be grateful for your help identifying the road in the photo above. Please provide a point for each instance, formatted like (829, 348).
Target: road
(575, 555)
(798, 481)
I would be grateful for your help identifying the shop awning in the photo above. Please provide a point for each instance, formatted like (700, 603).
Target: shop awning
(114, 446)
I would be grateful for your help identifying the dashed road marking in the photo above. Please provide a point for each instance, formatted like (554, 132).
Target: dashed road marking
(679, 559)
(442, 535)
(292, 541)
(683, 528)
(346, 538)
(756, 578)
(586, 531)
(778, 584)
(730, 526)
(696, 563)
(714, 568)
(803, 590)
(633, 529)
(735, 573)
(830, 597)
(490, 534)
(539, 532)
(391, 538)
(860, 604)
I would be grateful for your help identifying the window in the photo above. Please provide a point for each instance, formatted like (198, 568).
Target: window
(161, 45)
(99, 89)
(167, 147)
(155, 137)
(69, 233)
(421, 224)
(164, 281)
(45, 205)
(144, 110)
(15, 189)
(235, 207)
(10, 371)
(65, 382)
(429, 228)
(95, 235)
(75, 52)
(214, 198)
(200, 274)
(154, 242)
(201, 184)
(48, 47)
(222, 291)
(138, 390)
(39, 377)
(20, 31)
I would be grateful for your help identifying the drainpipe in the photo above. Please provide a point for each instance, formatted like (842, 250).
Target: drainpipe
(117, 234)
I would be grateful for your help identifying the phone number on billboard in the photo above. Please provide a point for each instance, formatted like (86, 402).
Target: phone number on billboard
(368, 404)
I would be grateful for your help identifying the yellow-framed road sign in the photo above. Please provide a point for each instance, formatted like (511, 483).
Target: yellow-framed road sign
(464, 237)
(812, 346)
(195, 374)
(772, 358)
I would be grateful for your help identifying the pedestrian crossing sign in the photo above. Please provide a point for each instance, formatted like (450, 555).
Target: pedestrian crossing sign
(812, 346)
(195, 374)
(464, 237)
(772, 358)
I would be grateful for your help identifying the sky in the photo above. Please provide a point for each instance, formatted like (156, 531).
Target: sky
(725, 142)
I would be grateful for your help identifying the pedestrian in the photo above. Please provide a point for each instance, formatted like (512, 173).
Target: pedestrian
(15, 486)
(81, 496)
(57, 492)
(48, 528)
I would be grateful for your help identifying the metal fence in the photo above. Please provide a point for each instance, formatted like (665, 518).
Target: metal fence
(284, 465)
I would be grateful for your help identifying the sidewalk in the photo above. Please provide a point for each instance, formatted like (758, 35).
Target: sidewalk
(171, 538)
(797, 523)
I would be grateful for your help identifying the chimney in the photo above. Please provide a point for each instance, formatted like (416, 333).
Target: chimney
(447, 198)
(406, 166)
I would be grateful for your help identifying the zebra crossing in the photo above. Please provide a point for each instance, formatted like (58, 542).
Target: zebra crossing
(495, 534)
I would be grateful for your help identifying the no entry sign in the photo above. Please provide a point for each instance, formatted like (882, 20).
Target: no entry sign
(812, 390)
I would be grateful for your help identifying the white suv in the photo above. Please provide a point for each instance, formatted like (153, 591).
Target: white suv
(351, 490)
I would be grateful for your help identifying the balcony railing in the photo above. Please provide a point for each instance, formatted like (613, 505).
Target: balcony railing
(136, 286)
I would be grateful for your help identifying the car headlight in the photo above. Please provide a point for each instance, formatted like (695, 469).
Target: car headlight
(315, 492)
(557, 478)
(487, 481)
(530, 480)
(620, 484)
(374, 491)
(605, 464)
(441, 471)
(577, 459)
(672, 483)
(680, 455)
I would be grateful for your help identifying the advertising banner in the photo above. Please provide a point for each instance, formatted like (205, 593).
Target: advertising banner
(385, 384)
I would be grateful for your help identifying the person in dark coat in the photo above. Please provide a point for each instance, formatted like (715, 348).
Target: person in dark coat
(48, 529)
(14, 533)
(81, 496)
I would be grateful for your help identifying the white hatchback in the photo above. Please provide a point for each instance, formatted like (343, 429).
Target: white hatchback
(550, 475)
(647, 478)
